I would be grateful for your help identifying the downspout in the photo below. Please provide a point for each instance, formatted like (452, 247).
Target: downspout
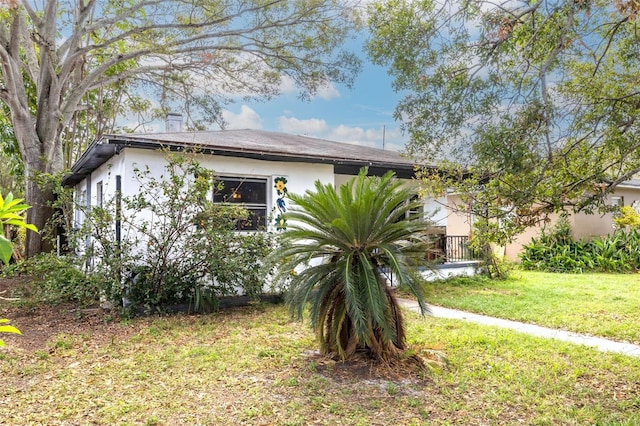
(118, 212)
(120, 272)
(87, 206)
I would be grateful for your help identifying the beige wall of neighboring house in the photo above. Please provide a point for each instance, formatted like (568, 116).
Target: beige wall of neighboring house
(458, 223)
(513, 249)
(597, 225)
(584, 226)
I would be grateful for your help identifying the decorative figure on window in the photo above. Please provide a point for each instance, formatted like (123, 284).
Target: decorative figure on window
(280, 184)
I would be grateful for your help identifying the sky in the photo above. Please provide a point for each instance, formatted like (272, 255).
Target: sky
(361, 115)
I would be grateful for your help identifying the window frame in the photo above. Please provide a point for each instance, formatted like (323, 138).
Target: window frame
(617, 201)
(261, 221)
(99, 194)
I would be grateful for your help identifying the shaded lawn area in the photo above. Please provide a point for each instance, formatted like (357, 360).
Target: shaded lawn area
(606, 305)
(255, 366)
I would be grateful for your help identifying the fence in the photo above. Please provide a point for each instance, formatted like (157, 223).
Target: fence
(453, 248)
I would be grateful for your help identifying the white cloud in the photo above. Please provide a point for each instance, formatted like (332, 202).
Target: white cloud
(311, 127)
(373, 137)
(245, 119)
(394, 140)
(288, 86)
(348, 134)
(328, 92)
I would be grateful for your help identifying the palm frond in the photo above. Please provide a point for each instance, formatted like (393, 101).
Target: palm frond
(334, 247)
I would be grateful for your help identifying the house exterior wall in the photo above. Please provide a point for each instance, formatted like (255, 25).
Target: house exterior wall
(584, 226)
(341, 180)
(300, 176)
(598, 225)
(458, 223)
(436, 211)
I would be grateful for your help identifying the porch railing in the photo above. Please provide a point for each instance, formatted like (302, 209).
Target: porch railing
(452, 248)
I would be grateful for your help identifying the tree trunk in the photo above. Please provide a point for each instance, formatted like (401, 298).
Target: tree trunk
(40, 197)
(41, 149)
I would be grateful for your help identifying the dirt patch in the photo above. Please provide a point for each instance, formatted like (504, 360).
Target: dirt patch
(40, 324)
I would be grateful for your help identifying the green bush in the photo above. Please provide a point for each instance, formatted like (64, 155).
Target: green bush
(559, 252)
(58, 279)
(177, 246)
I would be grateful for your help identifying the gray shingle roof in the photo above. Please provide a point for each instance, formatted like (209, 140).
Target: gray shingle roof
(273, 146)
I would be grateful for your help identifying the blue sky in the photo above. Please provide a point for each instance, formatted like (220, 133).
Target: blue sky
(358, 115)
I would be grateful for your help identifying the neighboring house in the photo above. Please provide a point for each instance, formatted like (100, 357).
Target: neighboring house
(585, 226)
(249, 162)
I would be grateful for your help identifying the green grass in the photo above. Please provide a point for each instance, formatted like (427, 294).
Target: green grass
(252, 366)
(606, 305)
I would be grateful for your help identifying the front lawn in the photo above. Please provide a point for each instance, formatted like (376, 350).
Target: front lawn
(606, 305)
(255, 366)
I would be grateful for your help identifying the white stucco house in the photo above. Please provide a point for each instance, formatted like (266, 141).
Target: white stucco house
(254, 157)
(249, 162)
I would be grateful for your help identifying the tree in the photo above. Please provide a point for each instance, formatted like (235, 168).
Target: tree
(337, 244)
(537, 102)
(67, 69)
(169, 231)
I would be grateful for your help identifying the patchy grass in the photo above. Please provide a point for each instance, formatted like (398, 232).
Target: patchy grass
(599, 304)
(255, 366)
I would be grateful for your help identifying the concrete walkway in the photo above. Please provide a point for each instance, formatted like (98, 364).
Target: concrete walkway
(599, 343)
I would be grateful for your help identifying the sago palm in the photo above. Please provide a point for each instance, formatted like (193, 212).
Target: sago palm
(338, 246)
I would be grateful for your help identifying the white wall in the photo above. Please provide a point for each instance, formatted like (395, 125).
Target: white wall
(300, 176)
(437, 209)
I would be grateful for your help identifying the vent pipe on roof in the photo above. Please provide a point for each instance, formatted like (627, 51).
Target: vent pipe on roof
(173, 122)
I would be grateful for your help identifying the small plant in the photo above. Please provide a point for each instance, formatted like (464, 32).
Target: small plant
(340, 240)
(392, 388)
(10, 214)
(627, 217)
(11, 211)
(5, 328)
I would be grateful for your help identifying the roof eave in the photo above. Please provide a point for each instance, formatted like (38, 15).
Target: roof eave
(103, 149)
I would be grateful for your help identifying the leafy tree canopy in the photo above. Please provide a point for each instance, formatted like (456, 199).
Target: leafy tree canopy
(69, 68)
(536, 102)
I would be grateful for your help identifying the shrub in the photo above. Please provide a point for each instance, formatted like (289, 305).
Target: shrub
(58, 279)
(559, 252)
(177, 246)
(335, 248)
(627, 217)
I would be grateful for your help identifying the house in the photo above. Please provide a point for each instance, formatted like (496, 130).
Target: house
(585, 226)
(257, 158)
(254, 157)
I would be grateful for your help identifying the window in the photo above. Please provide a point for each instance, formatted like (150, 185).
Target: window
(81, 204)
(617, 201)
(416, 211)
(251, 193)
(99, 194)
